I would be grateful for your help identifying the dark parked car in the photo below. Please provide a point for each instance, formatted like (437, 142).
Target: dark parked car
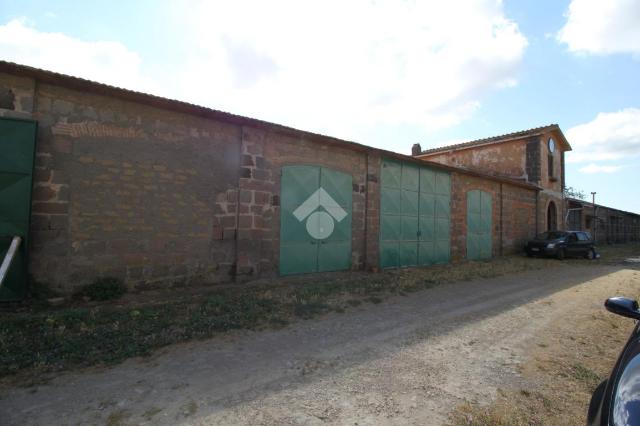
(616, 401)
(562, 244)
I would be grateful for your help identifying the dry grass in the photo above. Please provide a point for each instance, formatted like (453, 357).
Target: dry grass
(564, 367)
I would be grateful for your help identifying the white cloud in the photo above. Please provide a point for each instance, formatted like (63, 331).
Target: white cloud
(333, 67)
(336, 67)
(602, 26)
(104, 61)
(609, 136)
(595, 168)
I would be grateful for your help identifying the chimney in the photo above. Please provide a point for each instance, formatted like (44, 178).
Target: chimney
(416, 149)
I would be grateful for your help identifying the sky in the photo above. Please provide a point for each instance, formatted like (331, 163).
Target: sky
(383, 73)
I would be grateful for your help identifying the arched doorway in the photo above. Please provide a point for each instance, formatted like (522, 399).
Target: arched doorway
(552, 225)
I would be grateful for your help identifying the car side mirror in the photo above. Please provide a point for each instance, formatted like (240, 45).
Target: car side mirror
(623, 306)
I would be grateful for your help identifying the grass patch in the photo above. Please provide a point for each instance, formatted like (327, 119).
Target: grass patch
(189, 409)
(585, 375)
(520, 409)
(564, 367)
(117, 418)
(104, 288)
(41, 339)
(148, 415)
(308, 310)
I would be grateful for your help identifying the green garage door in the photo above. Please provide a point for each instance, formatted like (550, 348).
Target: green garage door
(315, 220)
(479, 213)
(17, 150)
(414, 215)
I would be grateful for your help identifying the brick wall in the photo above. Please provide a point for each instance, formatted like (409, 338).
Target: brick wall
(518, 217)
(506, 158)
(513, 214)
(128, 190)
(264, 153)
(160, 197)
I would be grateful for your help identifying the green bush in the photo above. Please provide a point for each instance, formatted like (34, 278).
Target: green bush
(104, 288)
(41, 291)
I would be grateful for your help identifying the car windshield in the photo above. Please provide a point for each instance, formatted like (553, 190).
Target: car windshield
(551, 235)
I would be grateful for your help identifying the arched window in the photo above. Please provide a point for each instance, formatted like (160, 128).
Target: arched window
(551, 217)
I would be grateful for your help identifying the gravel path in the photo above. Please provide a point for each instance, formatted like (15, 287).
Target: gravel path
(408, 360)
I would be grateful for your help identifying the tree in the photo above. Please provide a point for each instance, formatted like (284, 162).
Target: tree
(572, 192)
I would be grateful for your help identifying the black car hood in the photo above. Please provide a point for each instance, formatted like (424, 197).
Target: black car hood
(626, 396)
(557, 240)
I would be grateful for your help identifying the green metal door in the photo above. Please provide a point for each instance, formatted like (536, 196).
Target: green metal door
(414, 215)
(17, 150)
(315, 220)
(435, 217)
(479, 223)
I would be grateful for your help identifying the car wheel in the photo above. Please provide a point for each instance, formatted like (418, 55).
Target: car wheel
(591, 254)
(560, 254)
(596, 402)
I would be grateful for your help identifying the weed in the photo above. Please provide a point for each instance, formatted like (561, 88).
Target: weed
(309, 309)
(585, 375)
(41, 291)
(117, 418)
(151, 412)
(54, 339)
(105, 288)
(189, 409)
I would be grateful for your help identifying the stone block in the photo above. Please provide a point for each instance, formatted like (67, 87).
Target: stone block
(44, 193)
(50, 207)
(62, 107)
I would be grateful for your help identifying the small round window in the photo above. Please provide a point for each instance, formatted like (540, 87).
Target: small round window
(551, 145)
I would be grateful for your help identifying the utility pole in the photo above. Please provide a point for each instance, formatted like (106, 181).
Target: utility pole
(595, 217)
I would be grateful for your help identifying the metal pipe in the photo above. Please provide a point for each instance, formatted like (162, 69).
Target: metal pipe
(566, 218)
(595, 217)
(8, 258)
(366, 210)
(501, 218)
(537, 212)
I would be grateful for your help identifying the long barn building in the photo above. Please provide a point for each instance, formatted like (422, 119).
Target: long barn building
(158, 192)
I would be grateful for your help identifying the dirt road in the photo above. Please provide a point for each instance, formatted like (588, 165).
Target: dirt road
(408, 360)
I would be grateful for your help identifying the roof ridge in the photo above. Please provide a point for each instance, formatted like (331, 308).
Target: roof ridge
(498, 138)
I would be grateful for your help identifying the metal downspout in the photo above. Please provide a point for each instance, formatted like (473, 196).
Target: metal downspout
(366, 209)
(8, 259)
(537, 212)
(501, 218)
